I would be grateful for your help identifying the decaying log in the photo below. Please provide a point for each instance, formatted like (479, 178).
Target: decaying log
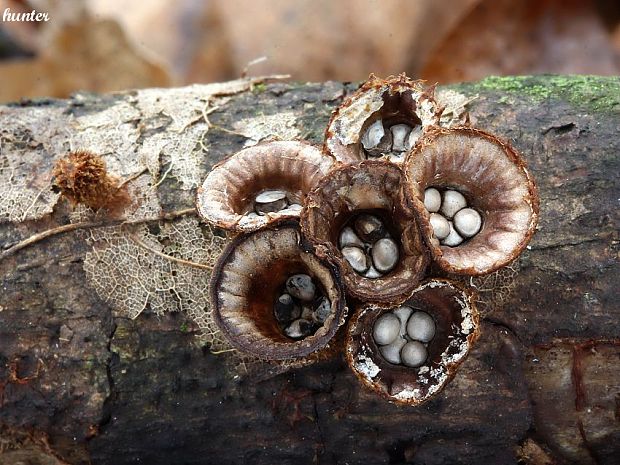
(82, 382)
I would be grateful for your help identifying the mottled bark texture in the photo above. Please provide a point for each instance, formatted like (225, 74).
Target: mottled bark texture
(80, 384)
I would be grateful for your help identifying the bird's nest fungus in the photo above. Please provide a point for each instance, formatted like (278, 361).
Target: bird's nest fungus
(356, 224)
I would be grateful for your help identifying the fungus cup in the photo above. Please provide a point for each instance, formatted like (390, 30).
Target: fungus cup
(248, 279)
(497, 185)
(383, 118)
(261, 184)
(456, 330)
(373, 188)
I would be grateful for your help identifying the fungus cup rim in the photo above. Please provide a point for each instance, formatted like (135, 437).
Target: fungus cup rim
(416, 194)
(285, 348)
(348, 153)
(216, 204)
(380, 376)
(414, 257)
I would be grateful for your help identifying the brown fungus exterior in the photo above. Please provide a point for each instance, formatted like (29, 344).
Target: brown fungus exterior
(495, 181)
(395, 100)
(374, 187)
(226, 198)
(457, 328)
(246, 282)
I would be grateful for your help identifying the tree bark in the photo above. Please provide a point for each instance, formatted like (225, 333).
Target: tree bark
(81, 385)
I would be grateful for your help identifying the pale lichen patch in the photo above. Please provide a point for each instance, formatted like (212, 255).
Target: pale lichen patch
(185, 154)
(111, 133)
(183, 105)
(29, 137)
(455, 106)
(281, 125)
(19, 201)
(128, 269)
(149, 153)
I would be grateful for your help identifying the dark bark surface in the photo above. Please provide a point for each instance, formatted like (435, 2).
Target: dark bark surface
(541, 386)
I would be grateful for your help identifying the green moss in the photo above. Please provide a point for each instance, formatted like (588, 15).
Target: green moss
(259, 88)
(594, 93)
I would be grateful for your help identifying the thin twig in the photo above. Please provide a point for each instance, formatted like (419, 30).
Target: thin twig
(223, 351)
(227, 131)
(132, 177)
(169, 257)
(163, 177)
(206, 111)
(89, 225)
(255, 61)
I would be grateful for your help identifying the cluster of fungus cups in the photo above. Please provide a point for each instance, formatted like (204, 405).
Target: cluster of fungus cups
(362, 219)
(271, 296)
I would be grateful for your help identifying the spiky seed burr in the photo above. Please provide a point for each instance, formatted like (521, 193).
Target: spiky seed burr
(82, 178)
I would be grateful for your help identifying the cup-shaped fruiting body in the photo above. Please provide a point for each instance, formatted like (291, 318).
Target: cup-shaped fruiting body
(482, 189)
(261, 184)
(360, 216)
(384, 118)
(262, 285)
(438, 324)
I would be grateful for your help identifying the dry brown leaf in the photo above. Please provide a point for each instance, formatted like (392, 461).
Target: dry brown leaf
(309, 39)
(91, 54)
(532, 36)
